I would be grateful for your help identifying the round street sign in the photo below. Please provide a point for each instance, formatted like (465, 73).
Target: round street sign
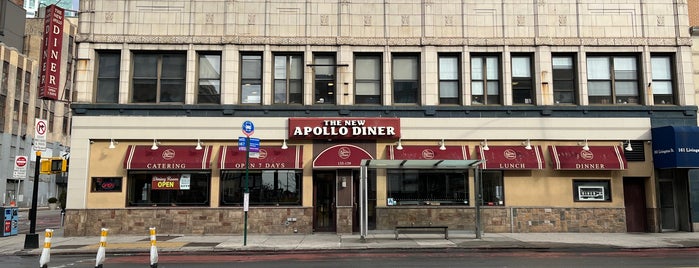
(248, 128)
(41, 127)
(21, 161)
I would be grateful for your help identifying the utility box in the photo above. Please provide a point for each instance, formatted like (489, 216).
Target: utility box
(10, 221)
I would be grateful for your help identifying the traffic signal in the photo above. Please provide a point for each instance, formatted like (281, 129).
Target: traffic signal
(53, 165)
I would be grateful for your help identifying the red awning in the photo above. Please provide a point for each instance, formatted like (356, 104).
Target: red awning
(415, 152)
(597, 158)
(167, 158)
(271, 157)
(511, 157)
(341, 156)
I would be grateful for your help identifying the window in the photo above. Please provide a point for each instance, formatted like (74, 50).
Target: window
(154, 84)
(522, 82)
(493, 188)
(251, 79)
(427, 187)
(367, 79)
(108, 184)
(612, 80)
(66, 122)
(5, 76)
(406, 79)
(266, 187)
(662, 84)
(27, 84)
(449, 82)
(485, 80)
(288, 79)
(591, 191)
(209, 79)
(3, 99)
(324, 73)
(108, 77)
(173, 189)
(564, 84)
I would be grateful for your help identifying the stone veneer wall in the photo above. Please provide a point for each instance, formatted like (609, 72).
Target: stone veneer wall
(344, 220)
(87, 222)
(505, 220)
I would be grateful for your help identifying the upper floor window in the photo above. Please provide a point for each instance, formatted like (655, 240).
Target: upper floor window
(662, 84)
(612, 80)
(209, 85)
(324, 78)
(107, 77)
(159, 77)
(251, 78)
(449, 79)
(288, 79)
(406, 79)
(367, 79)
(564, 84)
(522, 81)
(485, 80)
(5, 76)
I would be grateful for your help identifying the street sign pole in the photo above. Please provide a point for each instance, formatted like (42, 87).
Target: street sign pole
(31, 240)
(246, 195)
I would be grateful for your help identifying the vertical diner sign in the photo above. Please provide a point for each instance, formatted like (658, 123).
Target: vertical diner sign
(51, 48)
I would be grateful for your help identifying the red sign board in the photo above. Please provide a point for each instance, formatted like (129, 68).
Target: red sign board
(51, 47)
(594, 158)
(511, 157)
(166, 182)
(343, 128)
(270, 158)
(341, 156)
(21, 161)
(418, 152)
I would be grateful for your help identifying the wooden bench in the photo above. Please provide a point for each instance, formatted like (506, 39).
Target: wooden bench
(422, 230)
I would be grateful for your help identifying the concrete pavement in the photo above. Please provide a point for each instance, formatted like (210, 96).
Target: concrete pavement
(172, 243)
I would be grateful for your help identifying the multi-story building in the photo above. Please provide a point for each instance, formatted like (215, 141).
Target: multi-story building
(19, 106)
(558, 99)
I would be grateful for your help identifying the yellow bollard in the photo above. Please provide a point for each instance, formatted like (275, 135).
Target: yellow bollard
(101, 250)
(153, 249)
(46, 251)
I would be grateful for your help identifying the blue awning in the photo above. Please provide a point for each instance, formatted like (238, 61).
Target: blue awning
(676, 147)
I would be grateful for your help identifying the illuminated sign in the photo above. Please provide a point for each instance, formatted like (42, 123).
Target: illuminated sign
(51, 47)
(344, 128)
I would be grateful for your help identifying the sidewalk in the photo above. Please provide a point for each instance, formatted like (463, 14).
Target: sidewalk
(14, 245)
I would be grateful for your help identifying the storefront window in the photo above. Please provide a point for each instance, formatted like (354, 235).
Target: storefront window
(168, 189)
(493, 188)
(106, 184)
(427, 187)
(266, 187)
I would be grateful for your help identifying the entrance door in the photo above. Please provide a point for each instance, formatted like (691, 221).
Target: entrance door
(635, 203)
(667, 207)
(324, 201)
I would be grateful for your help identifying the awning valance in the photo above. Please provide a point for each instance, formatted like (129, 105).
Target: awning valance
(596, 158)
(414, 152)
(511, 157)
(676, 147)
(270, 157)
(141, 157)
(341, 156)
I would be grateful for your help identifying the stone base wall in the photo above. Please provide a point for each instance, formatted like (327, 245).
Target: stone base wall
(87, 222)
(344, 220)
(505, 220)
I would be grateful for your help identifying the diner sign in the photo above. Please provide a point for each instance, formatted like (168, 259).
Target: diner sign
(51, 47)
(343, 128)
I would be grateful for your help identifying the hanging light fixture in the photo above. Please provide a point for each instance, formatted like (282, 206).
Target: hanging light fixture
(155, 145)
(112, 144)
(527, 145)
(199, 143)
(400, 145)
(586, 147)
(484, 143)
(628, 146)
(441, 145)
(284, 146)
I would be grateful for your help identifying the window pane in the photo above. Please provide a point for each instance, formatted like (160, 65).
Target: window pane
(322, 72)
(521, 67)
(252, 67)
(144, 90)
(296, 67)
(448, 68)
(109, 64)
(174, 66)
(368, 68)
(477, 68)
(279, 67)
(493, 88)
(107, 91)
(477, 88)
(422, 187)
(626, 88)
(209, 66)
(266, 187)
(492, 68)
(405, 68)
(448, 89)
(368, 88)
(599, 88)
(405, 92)
(564, 63)
(662, 87)
(660, 68)
(625, 68)
(251, 93)
(145, 66)
(598, 68)
(210, 87)
(279, 91)
(172, 90)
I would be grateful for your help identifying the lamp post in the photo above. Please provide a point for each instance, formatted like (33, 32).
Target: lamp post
(31, 240)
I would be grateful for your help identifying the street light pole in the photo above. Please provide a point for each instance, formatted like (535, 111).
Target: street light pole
(31, 240)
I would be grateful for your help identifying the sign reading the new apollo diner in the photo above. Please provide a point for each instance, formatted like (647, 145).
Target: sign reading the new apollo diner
(344, 128)
(51, 47)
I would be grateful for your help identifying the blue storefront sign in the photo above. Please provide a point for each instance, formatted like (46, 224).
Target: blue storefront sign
(676, 147)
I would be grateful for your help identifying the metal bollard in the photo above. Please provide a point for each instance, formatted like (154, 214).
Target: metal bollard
(46, 251)
(101, 250)
(153, 249)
